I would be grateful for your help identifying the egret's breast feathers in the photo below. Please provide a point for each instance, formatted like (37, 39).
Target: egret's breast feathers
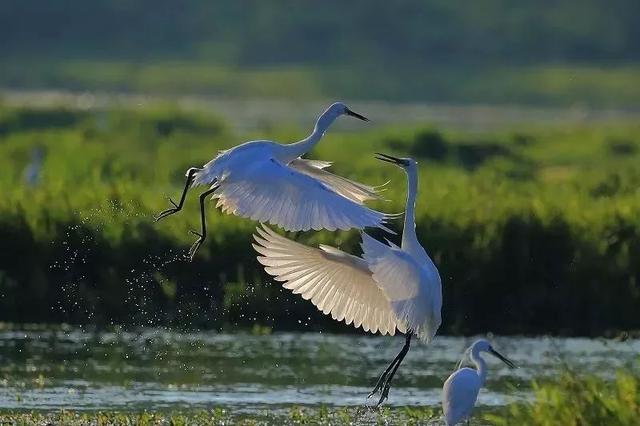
(460, 392)
(406, 284)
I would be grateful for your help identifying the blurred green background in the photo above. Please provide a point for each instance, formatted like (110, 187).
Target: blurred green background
(545, 52)
(523, 116)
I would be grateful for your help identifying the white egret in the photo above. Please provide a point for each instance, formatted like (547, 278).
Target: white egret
(461, 389)
(388, 288)
(269, 182)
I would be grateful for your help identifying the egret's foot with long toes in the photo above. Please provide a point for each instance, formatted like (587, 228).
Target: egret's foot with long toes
(385, 393)
(178, 206)
(384, 377)
(379, 384)
(384, 381)
(194, 248)
(168, 212)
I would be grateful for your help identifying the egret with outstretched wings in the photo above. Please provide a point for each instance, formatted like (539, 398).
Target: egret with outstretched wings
(389, 288)
(269, 182)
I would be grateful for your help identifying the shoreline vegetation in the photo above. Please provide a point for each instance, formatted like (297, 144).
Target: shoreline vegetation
(570, 399)
(551, 84)
(535, 230)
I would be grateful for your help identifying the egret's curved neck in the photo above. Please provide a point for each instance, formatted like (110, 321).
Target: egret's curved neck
(295, 150)
(409, 237)
(481, 366)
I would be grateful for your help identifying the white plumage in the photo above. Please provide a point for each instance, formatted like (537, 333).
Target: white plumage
(354, 191)
(337, 283)
(269, 182)
(389, 288)
(411, 284)
(460, 393)
(253, 183)
(460, 390)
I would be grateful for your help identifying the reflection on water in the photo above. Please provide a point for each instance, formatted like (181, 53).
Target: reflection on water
(158, 369)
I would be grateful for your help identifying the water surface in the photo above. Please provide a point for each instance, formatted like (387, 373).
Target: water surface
(155, 369)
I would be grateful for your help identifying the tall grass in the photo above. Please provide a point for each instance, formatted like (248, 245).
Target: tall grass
(575, 400)
(534, 230)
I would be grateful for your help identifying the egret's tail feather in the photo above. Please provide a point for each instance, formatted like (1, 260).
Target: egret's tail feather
(355, 191)
(382, 186)
(392, 216)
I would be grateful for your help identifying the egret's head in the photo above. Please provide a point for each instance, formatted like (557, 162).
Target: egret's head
(483, 345)
(339, 108)
(405, 163)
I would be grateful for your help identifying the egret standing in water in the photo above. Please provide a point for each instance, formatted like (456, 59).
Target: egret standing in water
(269, 182)
(388, 288)
(461, 389)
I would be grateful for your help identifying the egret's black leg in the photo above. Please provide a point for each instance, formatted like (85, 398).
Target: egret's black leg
(177, 207)
(203, 220)
(383, 376)
(401, 355)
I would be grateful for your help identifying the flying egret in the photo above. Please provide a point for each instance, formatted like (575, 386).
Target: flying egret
(461, 389)
(269, 182)
(388, 288)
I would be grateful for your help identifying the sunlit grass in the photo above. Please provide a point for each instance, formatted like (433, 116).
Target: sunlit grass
(557, 207)
(572, 399)
(576, 399)
(295, 415)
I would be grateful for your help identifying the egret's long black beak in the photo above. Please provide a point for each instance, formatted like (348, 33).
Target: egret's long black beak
(391, 159)
(502, 358)
(356, 115)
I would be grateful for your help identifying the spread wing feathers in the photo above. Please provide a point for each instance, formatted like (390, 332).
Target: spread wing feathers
(354, 191)
(268, 191)
(460, 392)
(403, 282)
(337, 283)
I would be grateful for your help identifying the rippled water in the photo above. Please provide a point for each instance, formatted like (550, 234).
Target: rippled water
(159, 370)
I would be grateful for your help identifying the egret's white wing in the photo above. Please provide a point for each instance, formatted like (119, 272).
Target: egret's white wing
(354, 191)
(415, 299)
(266, 190)
(459, 395)
(337, 283)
